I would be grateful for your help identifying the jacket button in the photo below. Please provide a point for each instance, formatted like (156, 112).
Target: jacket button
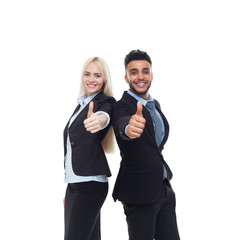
(72, 143)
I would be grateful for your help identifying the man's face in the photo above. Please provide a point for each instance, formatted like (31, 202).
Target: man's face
(139, 77)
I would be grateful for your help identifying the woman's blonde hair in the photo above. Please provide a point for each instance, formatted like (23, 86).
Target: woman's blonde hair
(108, 141)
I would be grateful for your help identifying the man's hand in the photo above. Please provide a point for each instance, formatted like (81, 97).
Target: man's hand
(94, 123)
(136, 123)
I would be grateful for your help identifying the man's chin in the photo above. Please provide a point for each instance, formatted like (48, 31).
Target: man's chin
(141, 93)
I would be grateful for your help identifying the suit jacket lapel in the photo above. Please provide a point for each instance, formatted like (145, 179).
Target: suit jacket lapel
(85, 109)
(166, 125)
(66, 127)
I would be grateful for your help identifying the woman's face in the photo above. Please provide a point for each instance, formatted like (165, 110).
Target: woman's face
(93, 80)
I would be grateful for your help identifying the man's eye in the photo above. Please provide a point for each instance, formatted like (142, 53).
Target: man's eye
(146, 72)
(134, 73)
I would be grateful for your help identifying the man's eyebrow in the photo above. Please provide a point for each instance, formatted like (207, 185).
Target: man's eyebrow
(133, 69)
(136, 69)
(146, 68)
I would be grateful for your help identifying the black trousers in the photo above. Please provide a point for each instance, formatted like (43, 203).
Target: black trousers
(82, 210)
(153, 221)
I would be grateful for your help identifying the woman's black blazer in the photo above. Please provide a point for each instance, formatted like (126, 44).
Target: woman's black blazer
(88, 157)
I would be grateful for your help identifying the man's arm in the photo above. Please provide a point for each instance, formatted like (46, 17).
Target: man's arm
(126, 125)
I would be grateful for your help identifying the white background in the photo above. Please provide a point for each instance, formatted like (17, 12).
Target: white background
(43, 46)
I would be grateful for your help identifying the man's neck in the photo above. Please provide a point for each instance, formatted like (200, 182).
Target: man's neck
(144, 95)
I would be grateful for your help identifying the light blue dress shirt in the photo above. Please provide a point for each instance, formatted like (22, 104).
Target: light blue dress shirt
(70, 176)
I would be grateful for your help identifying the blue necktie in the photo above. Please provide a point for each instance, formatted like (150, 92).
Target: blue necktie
(156, 122)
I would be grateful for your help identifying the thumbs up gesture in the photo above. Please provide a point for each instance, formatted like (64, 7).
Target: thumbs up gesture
(90, 111)
(93, 122)
(136, 123)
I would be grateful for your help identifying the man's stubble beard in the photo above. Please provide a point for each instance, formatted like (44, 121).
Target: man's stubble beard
(139, 93)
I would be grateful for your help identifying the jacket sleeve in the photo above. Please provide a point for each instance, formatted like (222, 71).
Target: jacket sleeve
(120, 118)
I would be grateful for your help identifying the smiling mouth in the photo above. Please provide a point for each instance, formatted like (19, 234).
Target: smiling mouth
(91, 85)
(141, 84)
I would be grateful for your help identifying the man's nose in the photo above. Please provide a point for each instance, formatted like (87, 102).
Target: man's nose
(140, 75)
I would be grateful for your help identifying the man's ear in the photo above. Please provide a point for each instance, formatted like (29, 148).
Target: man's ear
(126, 78)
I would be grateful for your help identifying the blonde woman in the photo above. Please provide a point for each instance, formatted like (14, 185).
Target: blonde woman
(85, 143)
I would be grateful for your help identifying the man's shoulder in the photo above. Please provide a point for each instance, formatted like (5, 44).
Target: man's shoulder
(127, 103)
(157, 104)
(121, 102)
(127, 98)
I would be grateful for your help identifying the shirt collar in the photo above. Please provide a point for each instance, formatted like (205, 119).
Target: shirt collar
(84, 100)
(142, 100)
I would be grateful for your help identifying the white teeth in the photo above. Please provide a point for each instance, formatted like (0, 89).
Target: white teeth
(141, 84)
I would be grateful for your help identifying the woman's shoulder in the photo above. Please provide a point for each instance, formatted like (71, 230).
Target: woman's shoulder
(110, 98)
(103, 98)
(104, 103)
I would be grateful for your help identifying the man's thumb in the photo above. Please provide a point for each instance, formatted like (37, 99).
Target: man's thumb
(139, 109)
(90, 111)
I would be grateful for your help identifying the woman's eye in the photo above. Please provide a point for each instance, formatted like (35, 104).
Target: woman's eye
(86, 74)
(98, 75)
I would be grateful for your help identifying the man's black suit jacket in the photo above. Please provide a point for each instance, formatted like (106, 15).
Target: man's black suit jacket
(88, 158)
(140, 176)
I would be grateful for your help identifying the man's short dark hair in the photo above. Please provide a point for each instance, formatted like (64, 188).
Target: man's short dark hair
(137, 55)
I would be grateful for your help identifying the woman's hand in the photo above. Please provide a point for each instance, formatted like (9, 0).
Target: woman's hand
(94, 122)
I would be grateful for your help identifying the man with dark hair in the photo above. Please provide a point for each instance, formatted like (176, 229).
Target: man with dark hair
(137, 55)
(143, 182)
